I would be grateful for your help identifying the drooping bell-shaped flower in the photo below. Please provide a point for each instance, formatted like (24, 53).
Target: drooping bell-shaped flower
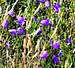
(7, 44)
(37, 3)
(51, 42)
(60, 53)
(69, 40)
(47, 4)
(11, 13)
(38, 32)
(57, 7)
(45, 22)
(35, 19)
(55, 59)
(56, 45)
(21, 20)
(5, 24)
(20, 31)
(13, 32)
(44, 54)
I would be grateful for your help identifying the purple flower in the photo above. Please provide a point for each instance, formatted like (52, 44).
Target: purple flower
(20, 31)
(21, 20)
(5, 24)
(55, 59)
(60, 53)
(44, 54)
(11, 13)
(39, 12)
(38, 32)
(56, 45)
(35, 19)
(69, 40)
(47, 4)
(37, 3)
(56, 7)
(13, 31)
(45, 22)
(7, 44)
(42, 1)
(51, 42)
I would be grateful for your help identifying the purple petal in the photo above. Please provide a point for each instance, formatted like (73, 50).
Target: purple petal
(56, 7)
(55, 59)
(45, 22)
(11, 13)
(37, 3)
(69, 40)
(13, 31)
(8, 44)
(47, 4)
(35, 19)
(44, 55)
(60, 53)
(38, 32)
(56, 45)
(5, 24)
(51, 42)
(20, 31)
(21, 20)
(42, 1)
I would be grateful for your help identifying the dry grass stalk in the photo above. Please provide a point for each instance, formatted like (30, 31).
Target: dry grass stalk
(24, 53)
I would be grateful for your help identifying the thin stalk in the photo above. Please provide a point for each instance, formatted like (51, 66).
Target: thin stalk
(24, 62)
(14, 4)
(55, 30)
(16, 60)
(29, 25)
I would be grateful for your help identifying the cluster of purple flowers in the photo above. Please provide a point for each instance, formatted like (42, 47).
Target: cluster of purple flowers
(19, 31)
(45, 22)
(21, 22)
(45, 54)
(47, 3)
(56, 46)
(55, 58)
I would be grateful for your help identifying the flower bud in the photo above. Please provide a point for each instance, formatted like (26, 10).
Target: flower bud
(7, 44)
(20, 31)
(55, 59)
(44, 54)
(13, 31)
(56, 7)
(69, 40)
(56, 45)
(5, 24)
(11, 13)
(21, 20)
(47, 4)
(45, 22)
